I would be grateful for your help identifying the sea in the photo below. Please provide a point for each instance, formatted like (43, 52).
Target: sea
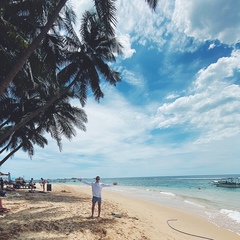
(194, 194)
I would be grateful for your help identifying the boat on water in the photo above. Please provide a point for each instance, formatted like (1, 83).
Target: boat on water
(227, 182)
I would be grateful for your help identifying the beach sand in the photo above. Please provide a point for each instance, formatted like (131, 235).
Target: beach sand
(64, 213)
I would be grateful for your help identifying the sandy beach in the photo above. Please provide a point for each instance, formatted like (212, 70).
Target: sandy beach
(64, 213)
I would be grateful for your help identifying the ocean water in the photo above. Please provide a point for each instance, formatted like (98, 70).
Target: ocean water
(195, 194)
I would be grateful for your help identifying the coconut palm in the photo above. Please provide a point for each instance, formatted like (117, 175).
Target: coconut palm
(88, 63)
(51, 17)
(84, 66)
(59, 120)
(106, 10)
(40, 71)
(23, 21)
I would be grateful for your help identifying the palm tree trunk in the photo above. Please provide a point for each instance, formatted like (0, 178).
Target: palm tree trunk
(17, 67)
(10, 154)
(3, 149)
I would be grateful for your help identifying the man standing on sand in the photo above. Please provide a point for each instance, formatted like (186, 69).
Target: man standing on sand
(31, 185)
(97, 193)
(43, 182)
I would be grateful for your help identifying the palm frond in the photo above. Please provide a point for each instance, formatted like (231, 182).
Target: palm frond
(152, 4)
(106, 11)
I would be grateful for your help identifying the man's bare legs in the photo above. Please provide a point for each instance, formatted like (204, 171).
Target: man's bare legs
(93, 206)
(99, 209)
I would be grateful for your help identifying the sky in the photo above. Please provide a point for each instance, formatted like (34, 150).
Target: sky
(176, 111)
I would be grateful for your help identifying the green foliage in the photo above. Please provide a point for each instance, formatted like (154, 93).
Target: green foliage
(61, 68)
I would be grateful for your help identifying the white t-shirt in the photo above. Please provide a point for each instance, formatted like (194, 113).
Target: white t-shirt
(97, 188)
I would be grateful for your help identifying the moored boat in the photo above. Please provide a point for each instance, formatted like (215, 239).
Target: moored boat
(227, 182)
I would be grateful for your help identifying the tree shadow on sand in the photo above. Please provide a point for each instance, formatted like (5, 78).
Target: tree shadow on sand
(63, 226)
(59, 213)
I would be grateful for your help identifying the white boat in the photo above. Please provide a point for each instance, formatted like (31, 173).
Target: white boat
(227, 182)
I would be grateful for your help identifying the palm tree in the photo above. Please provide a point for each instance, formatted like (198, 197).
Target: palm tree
(24, 140)
(86, 62)
(83, 65)
(106, 10)
(31, 47)
(89, 60)
(40, 71)
(27, 72)
(59, 119)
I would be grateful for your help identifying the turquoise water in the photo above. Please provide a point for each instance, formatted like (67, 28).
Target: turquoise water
(195, 194)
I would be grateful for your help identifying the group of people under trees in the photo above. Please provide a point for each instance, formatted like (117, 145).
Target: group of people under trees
(42, 183)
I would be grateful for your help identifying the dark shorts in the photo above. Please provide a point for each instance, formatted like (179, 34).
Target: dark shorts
(96, 199)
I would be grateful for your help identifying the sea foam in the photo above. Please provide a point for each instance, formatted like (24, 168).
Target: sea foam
(193, 203)
(234, 215)
(168, 194)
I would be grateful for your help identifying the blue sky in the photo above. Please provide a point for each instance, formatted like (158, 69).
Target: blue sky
(176, 110)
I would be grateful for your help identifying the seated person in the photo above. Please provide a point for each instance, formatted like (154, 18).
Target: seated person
(2, 193)
(32, 185)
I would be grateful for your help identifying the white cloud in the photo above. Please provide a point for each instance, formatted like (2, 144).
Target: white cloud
(217, 72)
(125, 42)
(134, 79)
(212, 45)
(212, 106)
(137, 21)
(172, 96)
(209, 20)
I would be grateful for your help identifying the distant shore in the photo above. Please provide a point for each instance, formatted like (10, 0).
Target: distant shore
(64, 212)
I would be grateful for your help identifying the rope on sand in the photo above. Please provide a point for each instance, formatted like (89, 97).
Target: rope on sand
(186, 232)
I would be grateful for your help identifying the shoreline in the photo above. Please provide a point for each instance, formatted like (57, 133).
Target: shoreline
(64, 212)
(216, 214)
